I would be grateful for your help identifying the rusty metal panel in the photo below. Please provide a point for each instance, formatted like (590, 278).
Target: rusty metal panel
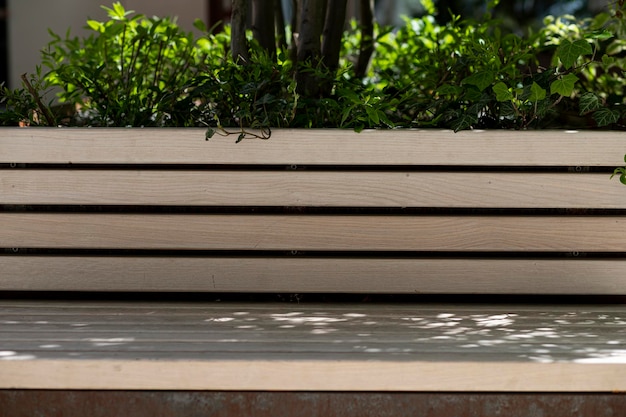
(35, 403)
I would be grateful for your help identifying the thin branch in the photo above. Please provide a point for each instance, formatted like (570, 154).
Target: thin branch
(42, 108)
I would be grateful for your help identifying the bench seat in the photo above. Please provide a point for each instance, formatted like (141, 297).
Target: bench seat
(223, 346)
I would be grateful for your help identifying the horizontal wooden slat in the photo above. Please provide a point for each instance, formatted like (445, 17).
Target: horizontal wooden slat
(300, 232)
(311, 347)
(311, 375)
(311, 188)
(301, 275)
(314, 146)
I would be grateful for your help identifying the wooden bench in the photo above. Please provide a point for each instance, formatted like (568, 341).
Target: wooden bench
(119, 211)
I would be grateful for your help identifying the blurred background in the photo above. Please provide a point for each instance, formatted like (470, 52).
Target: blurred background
(24, 24)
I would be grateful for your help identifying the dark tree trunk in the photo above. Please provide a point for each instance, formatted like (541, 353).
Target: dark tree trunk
(333, 32)
(367, 37)
(280, 25)
(295, 29)
(238, 41)
(263, 26)
(309, 45)
(317, 27)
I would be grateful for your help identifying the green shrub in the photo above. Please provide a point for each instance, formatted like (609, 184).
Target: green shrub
(468, 74)
(138, 71)
(129, 71)
(25, 106)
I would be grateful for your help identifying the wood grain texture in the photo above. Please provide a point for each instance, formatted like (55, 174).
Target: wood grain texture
(307, 375)
(315, 146)
(302, 275)
(312, 347)
(298, 232)
(311, 188)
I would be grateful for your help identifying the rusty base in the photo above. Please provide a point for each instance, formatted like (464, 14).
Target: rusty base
(37, 403)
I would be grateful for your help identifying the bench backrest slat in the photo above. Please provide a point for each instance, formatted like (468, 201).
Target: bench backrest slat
(311, 188)
(314, 147)
(314, 233)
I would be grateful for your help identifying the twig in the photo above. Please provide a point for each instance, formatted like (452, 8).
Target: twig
(42, 108)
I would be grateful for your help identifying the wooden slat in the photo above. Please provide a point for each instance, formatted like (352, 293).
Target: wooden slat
(301, 275)
(315, 146)
(299, 232)
(238, 346)
(310, 188)
(307, 375)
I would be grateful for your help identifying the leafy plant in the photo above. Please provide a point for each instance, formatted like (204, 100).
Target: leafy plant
(129, 71)
(463, 74)
(25, 106)
(604, 80)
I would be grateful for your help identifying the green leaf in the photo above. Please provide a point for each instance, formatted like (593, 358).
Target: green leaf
(568, 52)
(429, 6)
(209, 133)
(200, 25)
(119, 9)
(564, 86)
(491, 4)
(383, 117)
(616, 47)
(606, 116)
(589, 102)
(536, 93)
(600, 35)
(95, 25)
(621, 171)
(482, 79)
(347, 112)
(502, 92)
(372, 115)
(449, 90)
(463, 122)
(607, 61)
(507, 110)
(471, 94)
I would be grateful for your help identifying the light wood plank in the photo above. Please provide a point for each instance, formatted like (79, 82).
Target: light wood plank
(301, 275)
(314, 146)
(309, 347)
(311, 375)
(298, 232)
(320, 189)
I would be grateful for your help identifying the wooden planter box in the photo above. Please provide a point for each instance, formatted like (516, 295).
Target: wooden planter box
(325, 211)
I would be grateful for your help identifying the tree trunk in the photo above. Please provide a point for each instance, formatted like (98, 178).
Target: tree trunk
(333, 32)
(367, 37)
(279, 14)
(263, 27)
(296, 6)
(309, 44)
(238, 41)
